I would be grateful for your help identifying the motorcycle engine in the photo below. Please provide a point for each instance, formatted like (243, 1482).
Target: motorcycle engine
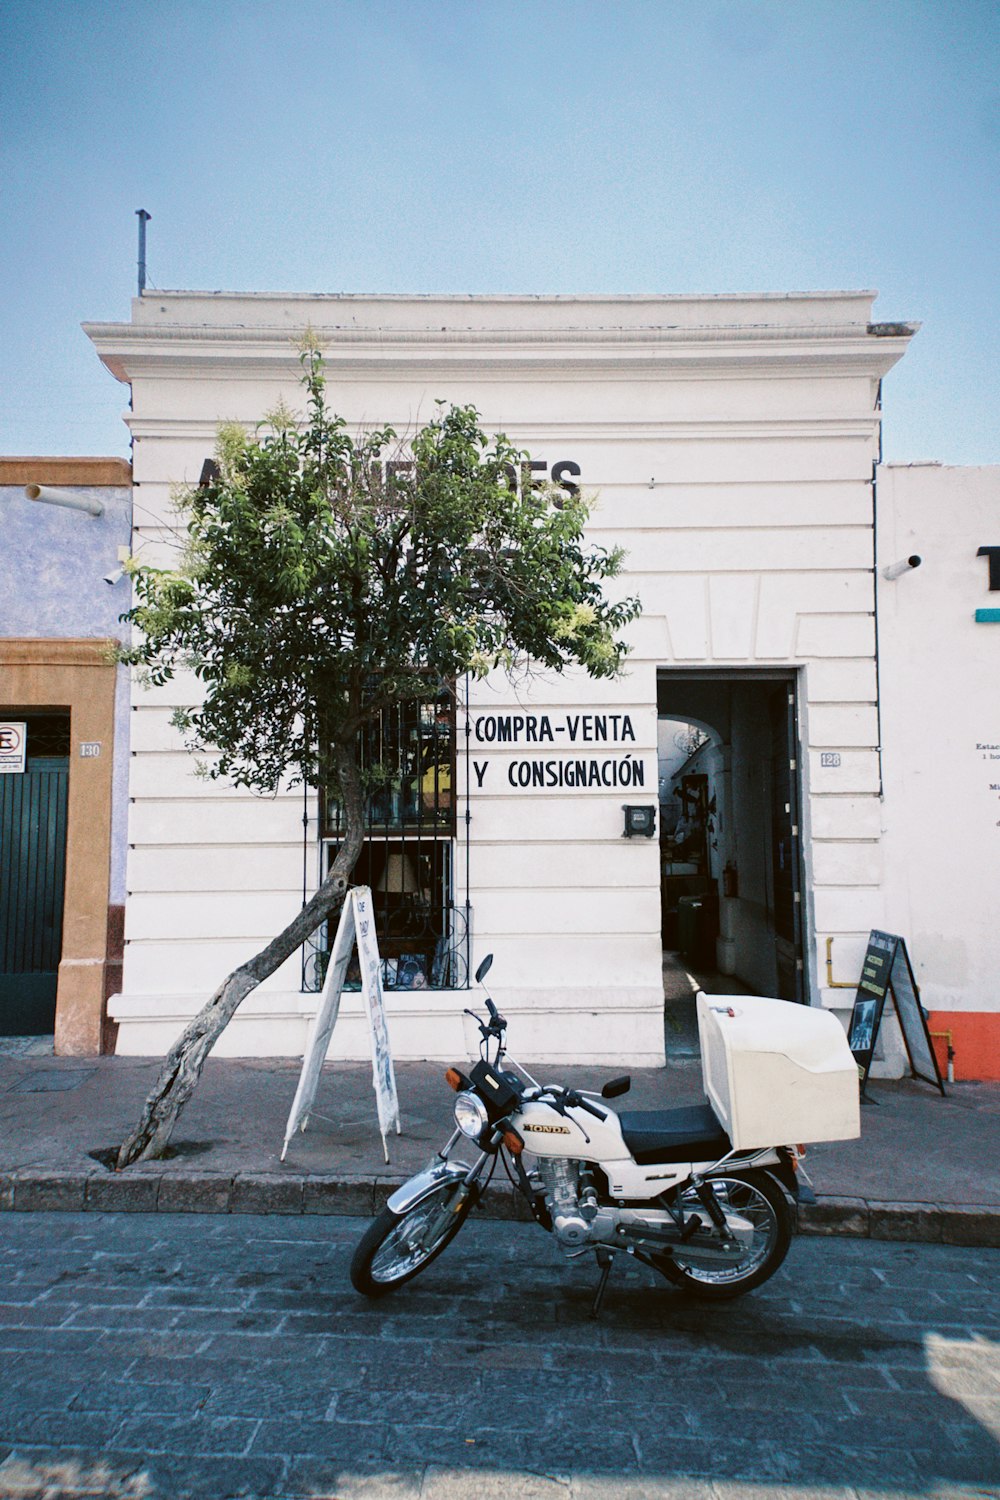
(569, 1206)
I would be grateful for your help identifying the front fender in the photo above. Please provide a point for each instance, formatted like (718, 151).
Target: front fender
(424, 1183)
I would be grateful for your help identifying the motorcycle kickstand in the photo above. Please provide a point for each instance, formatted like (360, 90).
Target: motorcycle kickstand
(605, 1259)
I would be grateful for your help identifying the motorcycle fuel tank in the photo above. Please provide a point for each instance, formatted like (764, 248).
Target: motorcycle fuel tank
(549, 1132)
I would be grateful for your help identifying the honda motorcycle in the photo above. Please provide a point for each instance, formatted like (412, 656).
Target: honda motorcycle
(666, 1186)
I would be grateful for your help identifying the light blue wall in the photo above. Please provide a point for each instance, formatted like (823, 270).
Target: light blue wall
(52, 567)
(54, 562)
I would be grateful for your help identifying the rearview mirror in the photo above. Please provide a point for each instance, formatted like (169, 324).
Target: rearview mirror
(484, 968)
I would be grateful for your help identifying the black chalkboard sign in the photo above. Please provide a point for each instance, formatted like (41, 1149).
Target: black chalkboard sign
(887, 970)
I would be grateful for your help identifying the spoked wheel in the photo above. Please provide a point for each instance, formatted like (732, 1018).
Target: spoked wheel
(759, 1218)
(396, 1247)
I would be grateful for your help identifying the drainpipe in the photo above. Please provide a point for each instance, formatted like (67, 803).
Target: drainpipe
(878, 682)
(947, 1036)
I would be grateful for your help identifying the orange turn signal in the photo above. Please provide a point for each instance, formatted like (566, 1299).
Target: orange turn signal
(453, 1079)
(513, 1142)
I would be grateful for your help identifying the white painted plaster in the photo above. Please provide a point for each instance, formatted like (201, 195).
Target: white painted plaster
(940, 709)
(754, 418)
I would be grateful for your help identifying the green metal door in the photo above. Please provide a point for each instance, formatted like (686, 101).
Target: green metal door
(32, 878)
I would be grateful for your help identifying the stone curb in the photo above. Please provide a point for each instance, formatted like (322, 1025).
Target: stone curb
(929, 1223)
(146, 1191)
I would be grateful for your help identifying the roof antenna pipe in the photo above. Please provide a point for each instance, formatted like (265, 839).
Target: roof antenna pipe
(144, 218)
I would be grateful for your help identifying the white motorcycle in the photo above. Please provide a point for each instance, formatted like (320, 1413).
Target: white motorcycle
(700, 1193)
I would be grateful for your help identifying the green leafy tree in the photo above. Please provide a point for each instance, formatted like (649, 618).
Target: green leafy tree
(321, 583)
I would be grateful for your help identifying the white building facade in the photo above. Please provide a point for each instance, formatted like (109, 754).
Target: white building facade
(939, 633)
(731, 444)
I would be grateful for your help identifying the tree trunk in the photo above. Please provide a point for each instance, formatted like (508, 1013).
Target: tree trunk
(183, 1064)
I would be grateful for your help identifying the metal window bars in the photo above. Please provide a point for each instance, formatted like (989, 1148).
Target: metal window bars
(408, 763)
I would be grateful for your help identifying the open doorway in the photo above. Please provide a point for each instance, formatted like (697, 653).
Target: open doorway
(730, 862)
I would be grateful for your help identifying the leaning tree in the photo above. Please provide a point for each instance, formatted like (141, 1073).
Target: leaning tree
(325, 577)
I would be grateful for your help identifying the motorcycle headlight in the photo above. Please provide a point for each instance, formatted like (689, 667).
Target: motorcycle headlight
(470, 1115)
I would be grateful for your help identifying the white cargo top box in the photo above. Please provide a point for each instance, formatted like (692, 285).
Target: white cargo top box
(777, 1073)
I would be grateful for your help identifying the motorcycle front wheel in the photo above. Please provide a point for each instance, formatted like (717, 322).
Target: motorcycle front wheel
(397, 1247)
(759, 1212)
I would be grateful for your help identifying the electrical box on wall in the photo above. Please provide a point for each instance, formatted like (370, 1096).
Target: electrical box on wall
(640, 822)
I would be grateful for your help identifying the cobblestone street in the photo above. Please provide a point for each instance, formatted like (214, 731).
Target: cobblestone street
(211, 1356)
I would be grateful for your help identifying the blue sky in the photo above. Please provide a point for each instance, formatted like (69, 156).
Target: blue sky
(499, 146)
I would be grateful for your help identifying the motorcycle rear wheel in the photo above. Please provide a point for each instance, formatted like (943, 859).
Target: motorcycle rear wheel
(753, 1196)
(397, 1247)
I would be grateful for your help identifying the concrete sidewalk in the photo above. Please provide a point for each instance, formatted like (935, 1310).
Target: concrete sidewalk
(925, 1168)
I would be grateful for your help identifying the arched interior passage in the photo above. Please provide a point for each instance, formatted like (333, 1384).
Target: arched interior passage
(730, 856)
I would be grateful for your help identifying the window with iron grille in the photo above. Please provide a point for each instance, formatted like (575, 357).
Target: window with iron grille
(408, 766)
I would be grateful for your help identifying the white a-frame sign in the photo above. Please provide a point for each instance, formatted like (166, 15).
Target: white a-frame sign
(357, 925)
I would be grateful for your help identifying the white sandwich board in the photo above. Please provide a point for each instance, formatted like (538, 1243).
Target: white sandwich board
(356, 926)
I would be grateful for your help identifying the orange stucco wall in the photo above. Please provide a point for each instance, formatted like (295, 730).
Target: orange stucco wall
(975, 1036)
(77, 675)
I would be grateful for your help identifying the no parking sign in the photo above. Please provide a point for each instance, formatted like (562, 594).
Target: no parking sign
(13, 745)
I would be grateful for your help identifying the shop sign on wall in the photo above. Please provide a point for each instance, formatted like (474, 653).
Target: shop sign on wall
(990, 616)
(990, 752)
(575, 750)
(13, 747)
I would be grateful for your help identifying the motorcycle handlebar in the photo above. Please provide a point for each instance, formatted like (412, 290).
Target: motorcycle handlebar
(497, 1023)
(591, 1109)
(561, 1098)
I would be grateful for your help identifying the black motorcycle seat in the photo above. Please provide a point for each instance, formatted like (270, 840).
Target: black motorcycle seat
(690, 1133)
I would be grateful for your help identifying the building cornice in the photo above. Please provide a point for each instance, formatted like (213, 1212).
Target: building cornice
(180, 352)
(69, 651)
(92, 473)
(862, 425)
